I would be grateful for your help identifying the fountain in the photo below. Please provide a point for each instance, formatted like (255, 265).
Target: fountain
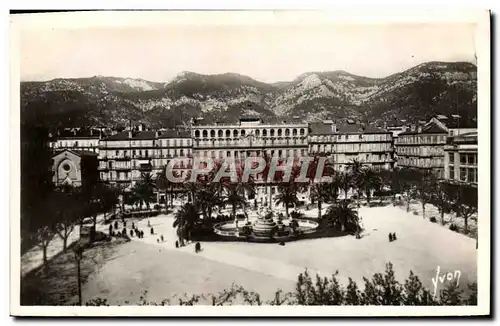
(265, 226)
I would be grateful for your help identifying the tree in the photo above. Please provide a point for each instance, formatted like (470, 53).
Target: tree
(345, 182)
(162, 183)
(207, 197)
(345, 216)
(144, 190)
(185, 219)
(321, 192)
(44, 236)
(423, 188)
(440, 197)
(369, 180)
(36, 175)
(287, 195)
(464, 202)
(67, 217)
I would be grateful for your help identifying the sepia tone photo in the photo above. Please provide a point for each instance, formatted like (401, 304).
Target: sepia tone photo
(250, 163)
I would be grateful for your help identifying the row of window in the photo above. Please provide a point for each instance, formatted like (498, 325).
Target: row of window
(420, 139)
(464, 175)
(421, 150)
(354, 137)
(243, 132)
(340, 148)
(428, 162)
(236, 154)
(465, 158)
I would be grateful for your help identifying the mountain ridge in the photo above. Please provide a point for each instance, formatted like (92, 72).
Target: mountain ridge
(414, 93)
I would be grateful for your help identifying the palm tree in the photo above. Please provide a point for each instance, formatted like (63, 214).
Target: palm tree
(345, 216)
(144, 190)
(287, 195)
(345, 182)
(235, 195)
(162, 183)
(356, 170)
(207, 197)
(320, 192)
(184, 220)
(369, 180)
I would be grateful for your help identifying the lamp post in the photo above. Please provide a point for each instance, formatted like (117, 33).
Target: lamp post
(78, 257)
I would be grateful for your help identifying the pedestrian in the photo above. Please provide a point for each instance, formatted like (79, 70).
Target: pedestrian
(394, 236)
(132, 233)
(149, 224)
(197, 247)
(124, 231)
(136, 233)
(124, 223)
(152, 231)
(142, 234)
(110, 229)
(390, 237)
(116, 224)
(176, 244)
(162, 239)
(157, 240)
(133, 225)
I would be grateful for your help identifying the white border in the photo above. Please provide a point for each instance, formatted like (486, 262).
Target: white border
(339, 16)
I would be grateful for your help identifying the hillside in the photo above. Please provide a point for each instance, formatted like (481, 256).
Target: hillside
(417, 93)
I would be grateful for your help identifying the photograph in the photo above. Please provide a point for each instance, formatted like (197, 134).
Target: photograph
(250, 163)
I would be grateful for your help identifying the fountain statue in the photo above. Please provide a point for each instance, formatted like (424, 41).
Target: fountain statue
(265, 225)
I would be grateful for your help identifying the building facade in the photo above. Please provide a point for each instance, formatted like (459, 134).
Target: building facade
(423, 147)
(76, 139)
(126, 155)
(249, 137)
(461, 160)
(346, 143)
(76, 168)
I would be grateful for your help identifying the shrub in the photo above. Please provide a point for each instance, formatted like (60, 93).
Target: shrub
(454, 227)
(415, 213)
(433, 219)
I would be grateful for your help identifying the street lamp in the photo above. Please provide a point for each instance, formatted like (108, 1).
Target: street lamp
(78, 250)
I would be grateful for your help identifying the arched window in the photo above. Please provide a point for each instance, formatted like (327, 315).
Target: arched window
(212, 133)
(272, 132)
(287, 132)
(197, 134)
(235, 133)
(302, 131)
(228, 133)
(294, 132)
(264, 132)
(205, 134)
(257, 133)
(220, 134)
(280, 132)
(243, 132)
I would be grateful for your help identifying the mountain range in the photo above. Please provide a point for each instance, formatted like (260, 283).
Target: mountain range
(417, 93)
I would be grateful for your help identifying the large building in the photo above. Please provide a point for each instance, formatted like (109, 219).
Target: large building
(86, 139)
(250, 137)
(123, 157)
(422, 147)
(349, 142)
(460, 160)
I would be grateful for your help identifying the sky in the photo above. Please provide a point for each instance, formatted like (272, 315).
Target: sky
(267, 53)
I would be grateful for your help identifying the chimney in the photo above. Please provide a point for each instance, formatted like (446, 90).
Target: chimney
(140, 127)
(130, 134)
(419, 129)
(156, 134)
(334, 127)
(91, 132)
(413, 127)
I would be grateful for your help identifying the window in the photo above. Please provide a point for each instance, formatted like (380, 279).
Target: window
(116, 153)
(471, 159)
(472, 175)
(463, 159)
(451, 157)
(463, 174)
